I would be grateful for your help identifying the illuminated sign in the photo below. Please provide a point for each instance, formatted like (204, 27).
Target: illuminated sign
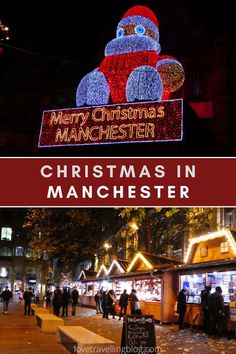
(130, 122)
(126, 98)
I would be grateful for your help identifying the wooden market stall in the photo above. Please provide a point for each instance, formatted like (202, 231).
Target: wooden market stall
(87, 287)
(210, 260)
(144, 273)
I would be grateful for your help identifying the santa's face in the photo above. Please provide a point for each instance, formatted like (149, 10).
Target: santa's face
(133, 37)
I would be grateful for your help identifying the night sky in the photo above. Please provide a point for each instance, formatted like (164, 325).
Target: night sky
(79, 30)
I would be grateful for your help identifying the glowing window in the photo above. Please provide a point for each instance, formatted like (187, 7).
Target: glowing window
(5, 252)
(3, 272)
(19, 251)
(45, 256)
(28, 253)
(6, 233)
(224, 247)
(204, 251)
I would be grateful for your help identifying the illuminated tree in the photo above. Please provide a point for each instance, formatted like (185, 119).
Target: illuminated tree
(162, 228)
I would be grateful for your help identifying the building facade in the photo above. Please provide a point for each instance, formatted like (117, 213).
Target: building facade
(17, 269)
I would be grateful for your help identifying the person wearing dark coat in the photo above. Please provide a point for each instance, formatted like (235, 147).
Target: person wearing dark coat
(6, 296)
(65, 302)
(57, 301)
(104, 304)
(27, 296)
(216, 309)
(110, 307)
(181, 307)
(205, 294)
(74, 300)
(123, 303)
(48, 298)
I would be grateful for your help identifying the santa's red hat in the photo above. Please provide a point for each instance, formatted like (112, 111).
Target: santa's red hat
(141, 15)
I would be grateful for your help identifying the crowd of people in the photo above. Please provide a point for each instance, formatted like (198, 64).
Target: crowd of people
(212, 305)
(59, 300)
(107, 303)
(212, 309)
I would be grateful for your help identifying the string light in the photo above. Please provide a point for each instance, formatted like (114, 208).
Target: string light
(139, 256)
(82, 273)
(211, 236)
(102, 268)
(4, 31)
(117, 264)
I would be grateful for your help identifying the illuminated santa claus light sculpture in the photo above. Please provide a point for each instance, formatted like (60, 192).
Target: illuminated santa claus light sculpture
(133, 69)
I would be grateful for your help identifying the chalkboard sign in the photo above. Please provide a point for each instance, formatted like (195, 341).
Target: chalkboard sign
(138, 335)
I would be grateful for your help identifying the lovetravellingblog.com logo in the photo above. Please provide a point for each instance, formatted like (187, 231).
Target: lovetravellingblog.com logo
(122, 350)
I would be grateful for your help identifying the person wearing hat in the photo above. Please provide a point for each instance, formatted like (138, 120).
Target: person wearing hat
(133, 69)
(6, 296)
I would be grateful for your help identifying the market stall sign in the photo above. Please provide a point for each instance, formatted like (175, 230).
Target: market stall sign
(138, 334)
(123, 123)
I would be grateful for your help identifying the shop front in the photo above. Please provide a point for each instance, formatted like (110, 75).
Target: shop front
(194, 279)
(211, 261)
(149, 292)
(90, 288)
(139, 275)
(195, 283)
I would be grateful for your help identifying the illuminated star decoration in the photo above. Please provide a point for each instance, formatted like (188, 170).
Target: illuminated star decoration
(133, 69)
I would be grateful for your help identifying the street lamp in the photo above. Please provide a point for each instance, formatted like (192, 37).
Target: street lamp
(107, 246)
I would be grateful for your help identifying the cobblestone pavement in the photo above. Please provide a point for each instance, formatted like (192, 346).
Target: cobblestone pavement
(19, 334)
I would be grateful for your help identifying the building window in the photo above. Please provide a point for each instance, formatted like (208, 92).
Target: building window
(28, 253)
(45, 256)
(224, 247)
(5, 252)
(19, 251)
(6, 233)
(204, 251)
(3, 272)
(229, 219)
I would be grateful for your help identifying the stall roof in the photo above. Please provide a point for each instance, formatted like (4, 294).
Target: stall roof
(229, 235)
(149, 261)
(85, 274)
(210, 264)
(154, 272)
(103, 271)
(133, 275)
(120, 265)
